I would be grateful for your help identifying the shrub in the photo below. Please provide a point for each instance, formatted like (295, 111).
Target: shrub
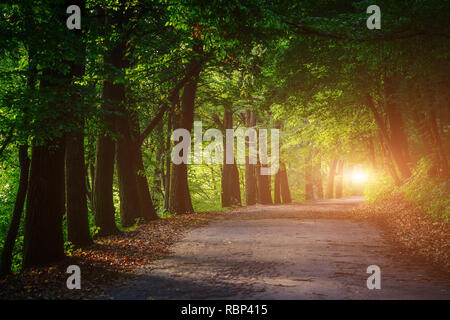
(379, 188)
(430, 194)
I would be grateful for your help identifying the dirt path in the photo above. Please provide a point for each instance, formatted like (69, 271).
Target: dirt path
(312, 251)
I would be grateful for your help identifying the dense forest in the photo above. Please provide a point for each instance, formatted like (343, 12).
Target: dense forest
(87, 114)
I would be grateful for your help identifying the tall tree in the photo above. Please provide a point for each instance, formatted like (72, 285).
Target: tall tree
(285, 191)
(180, 198)
(331, 176)
(250, 169)
(231, 191)
(77, 210)
(309, 185)
(339, 179)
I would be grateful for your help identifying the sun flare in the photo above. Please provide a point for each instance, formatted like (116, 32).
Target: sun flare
(359, 176)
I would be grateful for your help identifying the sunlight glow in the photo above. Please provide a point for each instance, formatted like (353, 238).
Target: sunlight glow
(359, 176)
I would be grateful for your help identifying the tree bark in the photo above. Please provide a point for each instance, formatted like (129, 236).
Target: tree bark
(285, 192)
(309, 189)
(250, 169)
(264, 192)
(350, 181)
(398, 140)
(158, 170)
(231, 190)
(440, 149)
(317, 178)
(103, 186)
(106, 148)
(77, 211)
(10, 240)
(389, 162)
(104, 172)
(339, 179)
(168, 162)
(372, 154)
(148, 211)
(393, 153)
(43, 238)
(331, 175)
(277, 188)
(180, 199)
(126, 161)
(76, 187)
(45, 207)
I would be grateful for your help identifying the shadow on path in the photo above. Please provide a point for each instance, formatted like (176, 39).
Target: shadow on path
(300, 251)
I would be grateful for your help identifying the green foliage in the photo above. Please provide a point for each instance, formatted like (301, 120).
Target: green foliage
(9, 178)
(204, 184)
(70, 249)
(94, 230)
(379, 188)
(430, 194)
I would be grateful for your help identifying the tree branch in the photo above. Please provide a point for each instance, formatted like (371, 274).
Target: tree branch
(7, 141)
(165, 106)
(153, 123)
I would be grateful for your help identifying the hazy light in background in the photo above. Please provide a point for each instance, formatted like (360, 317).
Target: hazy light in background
(359, 176)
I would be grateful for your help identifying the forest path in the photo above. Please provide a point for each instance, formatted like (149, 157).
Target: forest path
(300, 251)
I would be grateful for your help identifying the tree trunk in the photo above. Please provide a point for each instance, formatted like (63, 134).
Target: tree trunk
(43, 238)
(104, 162)
(389, 162)
(180, 197)
(393, 154)
(372, 154)
(88, 184)
(103, 186)
(264, 193)
(77, 211)
(398, 140)
(440, 149)
(126, 161)
(148, 211)
(318, 179)
(113, 96)
(76, 175)
(350, 181)
(168, 162)
(309, 190)
(340, 179)
(158, 170)
(92, 177)
(10, 240)
(330, 183)
(231, 190)
(277, 188)
(126, 152)
(285, 192)
(45, 207)
(250, 169)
